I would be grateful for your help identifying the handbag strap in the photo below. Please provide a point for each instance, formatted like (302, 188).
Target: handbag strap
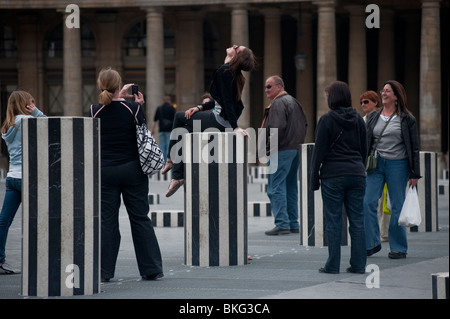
(379, 137)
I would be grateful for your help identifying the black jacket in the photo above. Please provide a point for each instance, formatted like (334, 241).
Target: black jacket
(223, 89)
(410, 137)
(348, 155)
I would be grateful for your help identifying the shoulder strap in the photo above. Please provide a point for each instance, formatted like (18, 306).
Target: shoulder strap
(379, 137)
(92, 110)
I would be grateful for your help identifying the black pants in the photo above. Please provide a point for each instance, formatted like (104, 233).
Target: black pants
(205, 120)
(129, 181)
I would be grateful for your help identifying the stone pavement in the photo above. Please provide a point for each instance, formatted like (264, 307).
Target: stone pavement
(279, 269)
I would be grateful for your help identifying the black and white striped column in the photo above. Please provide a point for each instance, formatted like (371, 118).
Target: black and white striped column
(215, 199)
(427, 190)
(439, 285)
(61, 206)
(312, 222)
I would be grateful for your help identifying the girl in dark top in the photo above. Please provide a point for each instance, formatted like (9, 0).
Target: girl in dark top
(121, 174)
(339, 161)
(226, 89)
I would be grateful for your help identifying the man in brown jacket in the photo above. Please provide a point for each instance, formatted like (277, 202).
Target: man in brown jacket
(285, 114)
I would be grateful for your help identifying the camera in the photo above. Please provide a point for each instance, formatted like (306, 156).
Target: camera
(134, 89)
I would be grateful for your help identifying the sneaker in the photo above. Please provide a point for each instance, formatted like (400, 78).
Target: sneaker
(153, 277)
(277, 231)
(396, 255)
(6, 269)
(295, 230)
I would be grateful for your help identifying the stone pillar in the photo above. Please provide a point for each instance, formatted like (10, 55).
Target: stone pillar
(239, 35)
(215, 199)
(190, 67)
(155, 62)
(61, 206)
(386, 50)
(72, 79)
(326, 53)
(305, 78)
(430, 78)
(357, 70)
(272, 47)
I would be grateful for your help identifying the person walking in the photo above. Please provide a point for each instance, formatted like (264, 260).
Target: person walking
(398, 153)
(164, 116)
(286, 115)
(226, 90)
(21, 104)
(338, 167)
(121, 175)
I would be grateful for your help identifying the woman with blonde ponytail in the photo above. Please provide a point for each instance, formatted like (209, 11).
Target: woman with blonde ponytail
(122, 176)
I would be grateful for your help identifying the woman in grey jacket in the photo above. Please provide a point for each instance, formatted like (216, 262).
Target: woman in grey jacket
(398, 162)
(20, 105)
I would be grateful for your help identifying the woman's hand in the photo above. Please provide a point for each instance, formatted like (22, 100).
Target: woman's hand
(124, 91)
(241, 131)
(30, 108)
(188, 114)
(413, 182)
(139, 98)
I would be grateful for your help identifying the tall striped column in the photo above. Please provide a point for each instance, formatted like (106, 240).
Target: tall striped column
(61, 206)
(428, 193)
(312, 222)
(215, 199)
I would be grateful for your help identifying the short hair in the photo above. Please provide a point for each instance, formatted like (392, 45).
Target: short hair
(338, 95)
(278, 80)
(371, 95)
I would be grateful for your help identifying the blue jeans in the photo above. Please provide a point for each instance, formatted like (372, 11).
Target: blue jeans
(282, 190)
(13, 198)
(347, 191)
(164, 141)
(395, 173)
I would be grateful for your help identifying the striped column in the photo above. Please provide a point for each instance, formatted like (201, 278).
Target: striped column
(439, 284)
(312, 222)
(428, 193)
(61, 206)
(215, 199)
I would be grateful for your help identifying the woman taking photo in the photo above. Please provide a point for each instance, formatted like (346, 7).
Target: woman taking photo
(122, 176)
(398, 161)
(226, 90)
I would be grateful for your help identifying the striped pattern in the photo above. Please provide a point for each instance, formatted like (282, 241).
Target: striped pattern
(153, 199)
(215, 199)
(257, 209)
(428, 193)
(167, 218)
(439, 284)
(61, 206)
(312, 223)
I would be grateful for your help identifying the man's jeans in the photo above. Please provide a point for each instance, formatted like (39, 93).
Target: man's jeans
(347, 191)
(282, 190)
(164, 141)
(395, 173)
(13, 198)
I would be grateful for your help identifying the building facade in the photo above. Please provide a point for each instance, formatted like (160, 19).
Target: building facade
(172, 47)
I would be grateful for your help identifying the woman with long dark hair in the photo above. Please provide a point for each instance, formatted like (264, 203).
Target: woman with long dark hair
(226, 90)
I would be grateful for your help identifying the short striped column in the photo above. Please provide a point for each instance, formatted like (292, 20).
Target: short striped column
(439, 285)
(312, 222)
(215, 199)
(259, 209)
(427, 190)
(162, 218)
(61, 206)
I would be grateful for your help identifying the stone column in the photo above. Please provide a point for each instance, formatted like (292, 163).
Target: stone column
(272, 46)
(386, 51)
(357, 70)
(326, 53)
(155, 62)
(305, 78)
(239, 35)
(72, 79)
(430, 78)
(189, 51)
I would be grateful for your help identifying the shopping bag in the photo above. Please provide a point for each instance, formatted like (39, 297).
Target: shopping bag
(410, 214)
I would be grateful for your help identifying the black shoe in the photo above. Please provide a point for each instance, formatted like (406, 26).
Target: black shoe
(153, 277)
(351, 270)
(323, 270)
(396, 255)
(295, 231)
(105, 279)
(277, 231)
(374, 250)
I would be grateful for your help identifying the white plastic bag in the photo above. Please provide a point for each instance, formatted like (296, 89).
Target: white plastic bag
(410, 214)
